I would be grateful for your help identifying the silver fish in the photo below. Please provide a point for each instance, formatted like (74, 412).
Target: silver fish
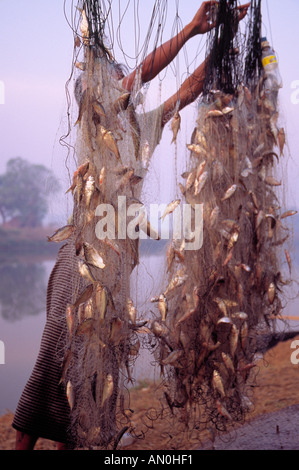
(89, 190)
(244, 334)
(116, 326)
(84, 296)
(101, 301)
(92, 256)
(281, 139)
(197, 149)
(200, 169)
(233, 240)
(228, 362)
(288, 258)
(173, 357)
(200, 183)
(70, 318)
(158, 329)
(85, 271)
(122, 102)
(185, 316)
(201, 140)
(108, 389)
(163, 307)
(70, 394)
(98, 110)
(227, 110)
(131, 309)
(272, 181)
(217, 383)
(62, 234)
(230, 192)
(222, 410)
(175, 126)
(106, 137)
(214, 113)
(178, 280)
(225, 320)
(288, 214)
(239, 315)
(190, 180)
(233, 339)
(84, 27)
(221, 305)
(145, 154)
(170, 208)
(271, 292)
(214, 216)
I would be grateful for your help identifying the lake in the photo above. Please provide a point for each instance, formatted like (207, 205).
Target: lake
(22, 318)
(23, 313)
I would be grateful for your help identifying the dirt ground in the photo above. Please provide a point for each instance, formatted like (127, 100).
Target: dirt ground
(273, 424)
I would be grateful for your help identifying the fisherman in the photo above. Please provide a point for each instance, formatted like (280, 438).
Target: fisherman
(43, 409)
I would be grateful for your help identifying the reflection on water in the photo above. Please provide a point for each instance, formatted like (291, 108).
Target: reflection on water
(23, 315)
(23, 287)
(22, 290)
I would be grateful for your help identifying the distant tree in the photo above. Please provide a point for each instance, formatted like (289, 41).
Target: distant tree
(24, 192)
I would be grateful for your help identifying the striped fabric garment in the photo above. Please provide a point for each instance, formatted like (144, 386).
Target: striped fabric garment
(43, 409)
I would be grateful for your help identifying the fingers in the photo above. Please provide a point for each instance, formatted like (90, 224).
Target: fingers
(247, 5)
(209, 5)
(243, 10)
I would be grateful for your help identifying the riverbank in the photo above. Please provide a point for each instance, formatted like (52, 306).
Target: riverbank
(273, 424)
(19, 243)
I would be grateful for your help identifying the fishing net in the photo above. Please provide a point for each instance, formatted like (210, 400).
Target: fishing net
(220, 297)
(111, 153)
(214, 299)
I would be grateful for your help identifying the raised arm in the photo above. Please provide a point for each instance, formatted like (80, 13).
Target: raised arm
(155, 62)
(188, 92)
(193, 85)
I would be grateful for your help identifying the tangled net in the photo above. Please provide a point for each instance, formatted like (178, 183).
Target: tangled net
(219, 297)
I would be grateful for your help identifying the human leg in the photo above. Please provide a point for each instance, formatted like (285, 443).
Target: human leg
(25, 441)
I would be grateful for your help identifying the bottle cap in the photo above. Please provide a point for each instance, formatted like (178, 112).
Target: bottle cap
(264, 43)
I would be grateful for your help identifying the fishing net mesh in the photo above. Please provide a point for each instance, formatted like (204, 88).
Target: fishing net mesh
(216, 299)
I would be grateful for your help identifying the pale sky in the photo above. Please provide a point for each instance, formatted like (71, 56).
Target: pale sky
(36, 45)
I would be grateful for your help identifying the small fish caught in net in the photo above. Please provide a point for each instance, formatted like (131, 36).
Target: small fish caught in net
(218, 297)
(111, 151)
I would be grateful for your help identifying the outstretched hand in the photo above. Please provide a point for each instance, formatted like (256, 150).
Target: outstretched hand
(204, 20)
(242, 11)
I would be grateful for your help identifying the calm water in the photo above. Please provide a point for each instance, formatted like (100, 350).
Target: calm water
(22, 319)
(23, 314)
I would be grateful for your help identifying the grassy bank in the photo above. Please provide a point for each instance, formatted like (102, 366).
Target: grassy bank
(18, 243)
(33, 242)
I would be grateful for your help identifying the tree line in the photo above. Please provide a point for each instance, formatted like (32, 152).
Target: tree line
(24, 192)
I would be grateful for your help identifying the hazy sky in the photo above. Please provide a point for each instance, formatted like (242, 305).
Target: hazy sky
(36, 45)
